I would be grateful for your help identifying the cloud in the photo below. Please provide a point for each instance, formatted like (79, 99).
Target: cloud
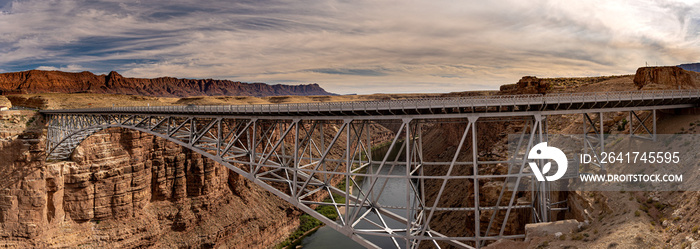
(68, 68)
(347, 71)
(351, 47)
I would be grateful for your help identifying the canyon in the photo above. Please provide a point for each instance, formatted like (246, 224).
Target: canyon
(128, 189)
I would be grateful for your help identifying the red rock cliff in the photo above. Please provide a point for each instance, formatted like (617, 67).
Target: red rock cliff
(36, 81)
(127, 189)
(666, 78)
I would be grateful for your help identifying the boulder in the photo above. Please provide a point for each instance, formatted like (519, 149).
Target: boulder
(550, 228)
(5, 102)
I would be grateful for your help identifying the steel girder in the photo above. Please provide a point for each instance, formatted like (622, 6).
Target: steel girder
(298, 160)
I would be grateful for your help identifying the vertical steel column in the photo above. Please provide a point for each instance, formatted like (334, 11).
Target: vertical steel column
(654, 123)
(348, 169)
(283, 159)
(295, 165)
(602, 138)
(323, 165)
(475, 166)
(252, 137)
(585, 132)
(598, 134)
(407, 142)
(370, 167)
(543, 190)
(368, 149)
(193, 131)
(422, 180)
(630, 124)
(218, 137)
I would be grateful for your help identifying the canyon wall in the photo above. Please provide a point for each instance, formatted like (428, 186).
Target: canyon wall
(127, 189)
(36, 81)
(672, 78)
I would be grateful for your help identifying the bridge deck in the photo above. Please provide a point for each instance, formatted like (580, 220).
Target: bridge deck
(566, 102)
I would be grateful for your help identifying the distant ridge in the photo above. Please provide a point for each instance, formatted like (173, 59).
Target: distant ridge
(691, 67)
(38, 81)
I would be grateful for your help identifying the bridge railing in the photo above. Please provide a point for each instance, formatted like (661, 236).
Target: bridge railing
(405, 104)
(619, 96)
(356, 106)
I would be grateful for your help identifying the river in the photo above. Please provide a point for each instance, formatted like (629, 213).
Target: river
(394, 194)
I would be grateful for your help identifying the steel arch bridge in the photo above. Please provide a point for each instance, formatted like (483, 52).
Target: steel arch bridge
(300, 152)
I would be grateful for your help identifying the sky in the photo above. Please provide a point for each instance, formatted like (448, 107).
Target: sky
(360, 46)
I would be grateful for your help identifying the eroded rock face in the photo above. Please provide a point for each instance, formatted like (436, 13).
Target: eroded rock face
(32, 102)
(649, 78)
(130, 189)
(22, 189)
(37, 81)
(5, 102)
(526, 85)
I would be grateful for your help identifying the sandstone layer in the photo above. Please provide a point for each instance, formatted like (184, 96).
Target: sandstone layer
(673, 78)
(36, 81)
(5, 102)
(127, 189)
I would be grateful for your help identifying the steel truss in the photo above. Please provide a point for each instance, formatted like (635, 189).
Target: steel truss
(646, 132)
(304, 160)
(594, 137)
(294, 159)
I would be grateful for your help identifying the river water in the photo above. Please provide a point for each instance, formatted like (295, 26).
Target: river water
(394, 194)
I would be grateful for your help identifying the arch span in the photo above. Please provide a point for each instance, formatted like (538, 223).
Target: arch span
(298, 161)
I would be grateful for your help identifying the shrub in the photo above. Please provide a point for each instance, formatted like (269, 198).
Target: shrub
(659, 206)
(644, 208)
